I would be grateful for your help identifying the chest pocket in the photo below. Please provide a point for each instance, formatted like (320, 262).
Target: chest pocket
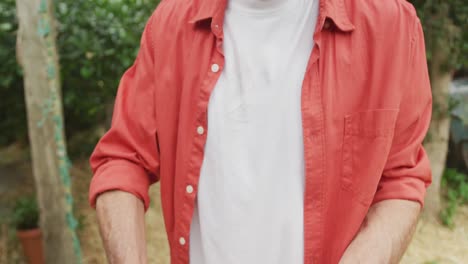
(367, 140)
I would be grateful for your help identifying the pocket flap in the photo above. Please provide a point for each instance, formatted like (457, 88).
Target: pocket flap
(372, 123)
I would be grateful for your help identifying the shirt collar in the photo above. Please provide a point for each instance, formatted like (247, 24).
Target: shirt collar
(206, 9)
(331, 9)
(336, 11)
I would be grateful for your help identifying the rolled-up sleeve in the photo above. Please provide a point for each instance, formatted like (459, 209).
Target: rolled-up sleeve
(407, 172)
(127, 157)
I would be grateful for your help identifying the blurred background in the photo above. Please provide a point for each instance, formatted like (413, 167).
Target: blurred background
(61, 62)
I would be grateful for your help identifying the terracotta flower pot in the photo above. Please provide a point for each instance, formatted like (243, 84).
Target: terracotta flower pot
(31, 241)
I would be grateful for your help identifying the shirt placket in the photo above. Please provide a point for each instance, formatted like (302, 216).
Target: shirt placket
(313, 124)
(200, 129)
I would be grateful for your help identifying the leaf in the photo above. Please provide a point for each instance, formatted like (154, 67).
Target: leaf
(6, 26)
(86, 72)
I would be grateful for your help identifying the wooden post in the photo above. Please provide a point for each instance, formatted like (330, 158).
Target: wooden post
(439, 132)
(37, 54)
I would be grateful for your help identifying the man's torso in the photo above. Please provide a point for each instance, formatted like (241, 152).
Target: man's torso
(249, 206)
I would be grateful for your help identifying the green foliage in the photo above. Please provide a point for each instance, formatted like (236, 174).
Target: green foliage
(25, 214)
(445, 24)
(456, 184)
(97, 41)
(12, 113)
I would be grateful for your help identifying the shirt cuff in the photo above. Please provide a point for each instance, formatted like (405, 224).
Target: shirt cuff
(402, 188)
(120, 175)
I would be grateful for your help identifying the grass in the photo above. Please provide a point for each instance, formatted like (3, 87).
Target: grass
(456, 185)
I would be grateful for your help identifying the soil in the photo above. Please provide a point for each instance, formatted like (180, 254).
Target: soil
(432, 243)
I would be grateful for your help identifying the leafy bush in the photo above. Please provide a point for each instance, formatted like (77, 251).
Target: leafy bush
(456, 184)
(97, 41)
(12, 113)
(25, 214)
(444, 24)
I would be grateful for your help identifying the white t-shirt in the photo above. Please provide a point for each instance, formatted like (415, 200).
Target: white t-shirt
(249, 207)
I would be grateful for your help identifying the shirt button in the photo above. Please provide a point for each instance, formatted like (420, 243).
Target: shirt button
(200, 130)
(182, 241)
(189, 189)
(214, 67)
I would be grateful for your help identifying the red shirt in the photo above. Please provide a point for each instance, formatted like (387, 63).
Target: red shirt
(366, 106)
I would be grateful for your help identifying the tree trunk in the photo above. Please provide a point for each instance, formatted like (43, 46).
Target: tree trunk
(109, 111)
(438, 135)
(37, 54)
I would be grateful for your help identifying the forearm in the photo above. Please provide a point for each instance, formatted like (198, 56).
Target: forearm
(384, 234)
(122, 227)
